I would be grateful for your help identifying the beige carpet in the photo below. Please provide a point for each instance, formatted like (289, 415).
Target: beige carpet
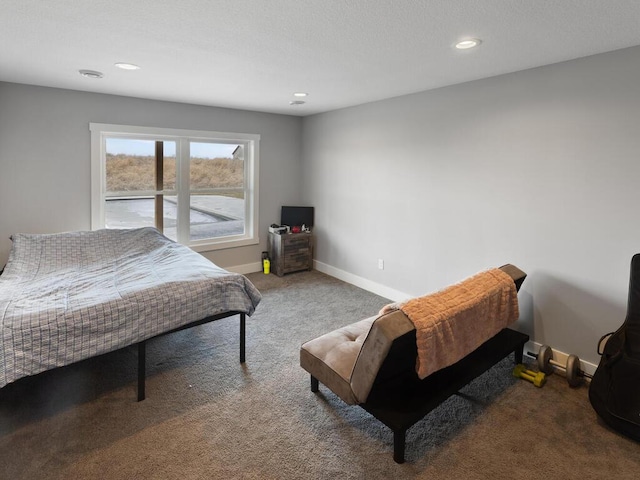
(206, 416)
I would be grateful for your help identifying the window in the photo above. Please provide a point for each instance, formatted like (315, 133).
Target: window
(198, 188)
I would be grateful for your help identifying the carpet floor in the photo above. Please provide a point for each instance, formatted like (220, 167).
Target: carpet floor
(207, 416)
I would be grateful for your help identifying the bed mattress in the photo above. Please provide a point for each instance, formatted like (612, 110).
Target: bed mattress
(67, 297)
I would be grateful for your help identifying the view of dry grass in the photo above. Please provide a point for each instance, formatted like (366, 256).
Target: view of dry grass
(126, 173)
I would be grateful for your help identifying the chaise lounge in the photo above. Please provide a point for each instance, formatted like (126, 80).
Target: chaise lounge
(372, 363)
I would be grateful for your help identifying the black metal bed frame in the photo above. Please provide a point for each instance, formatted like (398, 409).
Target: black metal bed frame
(142, 346)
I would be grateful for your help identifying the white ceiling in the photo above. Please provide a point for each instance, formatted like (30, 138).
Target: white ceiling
(254, 54)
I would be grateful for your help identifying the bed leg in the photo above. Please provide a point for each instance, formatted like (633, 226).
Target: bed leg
(398, 445)
(242, 337)
(142, 347)
(314, 384)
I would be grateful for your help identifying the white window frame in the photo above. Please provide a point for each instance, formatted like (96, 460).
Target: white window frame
(251, 142)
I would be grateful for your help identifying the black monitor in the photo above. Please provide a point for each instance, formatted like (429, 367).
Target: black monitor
(297, 216)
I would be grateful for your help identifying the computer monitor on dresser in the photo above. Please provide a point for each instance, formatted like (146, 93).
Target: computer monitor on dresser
(296, 216)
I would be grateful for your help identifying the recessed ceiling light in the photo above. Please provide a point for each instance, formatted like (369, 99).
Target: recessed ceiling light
(127, 66)
(300, 94)
(90, 73)
(468, 43)
(296, 102)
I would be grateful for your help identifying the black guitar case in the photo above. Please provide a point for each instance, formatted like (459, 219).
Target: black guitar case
(615, 388)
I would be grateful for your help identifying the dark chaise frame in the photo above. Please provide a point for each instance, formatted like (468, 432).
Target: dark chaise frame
(399, 399)
(402, 407)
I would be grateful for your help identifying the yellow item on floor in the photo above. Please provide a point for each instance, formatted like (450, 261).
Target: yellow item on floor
(537, 378)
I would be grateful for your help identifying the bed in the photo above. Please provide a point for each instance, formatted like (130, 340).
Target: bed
(71, 296)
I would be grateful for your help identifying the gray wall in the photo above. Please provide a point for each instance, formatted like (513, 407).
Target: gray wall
(45, 157)
(539, 168)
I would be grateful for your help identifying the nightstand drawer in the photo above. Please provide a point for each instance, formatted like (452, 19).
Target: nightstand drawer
(297, 260)
(290, 241)
(297, 255)
(297, 250)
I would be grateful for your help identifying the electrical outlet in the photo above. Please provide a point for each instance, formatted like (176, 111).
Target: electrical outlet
(381, 264)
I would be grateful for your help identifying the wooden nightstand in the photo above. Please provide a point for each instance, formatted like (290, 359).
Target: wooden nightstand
(290, 252)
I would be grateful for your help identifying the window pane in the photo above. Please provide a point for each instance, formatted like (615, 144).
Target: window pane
(131, 165)
(221, 213)
(139, 212)
(215, 215)
(215, 165)
(131, 169)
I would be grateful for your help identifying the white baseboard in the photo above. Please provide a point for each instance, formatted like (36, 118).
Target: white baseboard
(247, 268)
(398, 296)
(560, 357)
(363, 283)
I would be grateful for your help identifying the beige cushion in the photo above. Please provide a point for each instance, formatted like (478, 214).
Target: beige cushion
(331, 357)
(347, 360)
(374, 351)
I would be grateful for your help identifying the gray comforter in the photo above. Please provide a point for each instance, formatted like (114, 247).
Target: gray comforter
(67, 297)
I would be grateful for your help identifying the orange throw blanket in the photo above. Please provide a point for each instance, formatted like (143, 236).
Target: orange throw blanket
(455, 321)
